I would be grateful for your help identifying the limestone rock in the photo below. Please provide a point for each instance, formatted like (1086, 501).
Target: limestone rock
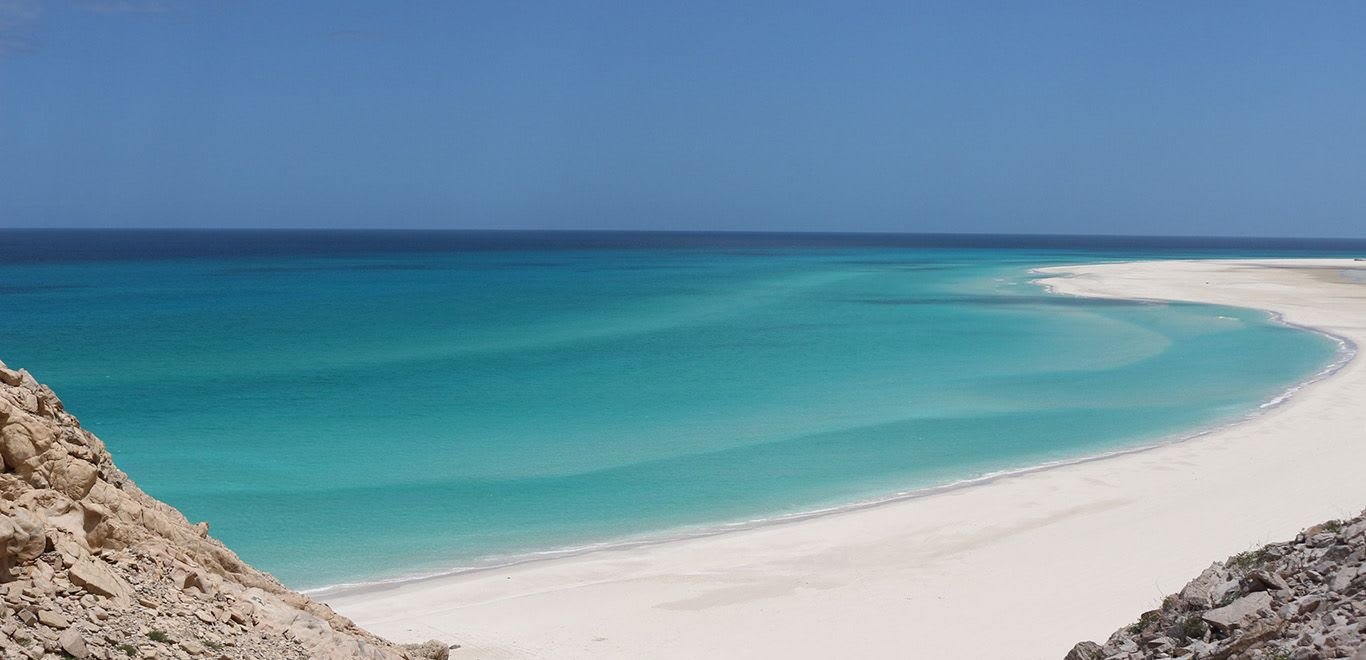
(431, 650)
(1343, 578)
(9, 376)
(21, 540)
(98, 579)
(1300, 600)
(1240, 612)
(90, 566)
(52, 619)
(1085, 651)
(18, 444)
(73, 477)
(1260, 580)
(1201, 592)
(71, 642)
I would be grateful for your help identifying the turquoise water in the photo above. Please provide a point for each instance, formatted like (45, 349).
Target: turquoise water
(347, 415)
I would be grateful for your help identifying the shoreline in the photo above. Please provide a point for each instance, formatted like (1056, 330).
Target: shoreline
(1346, 352)
(373, 604)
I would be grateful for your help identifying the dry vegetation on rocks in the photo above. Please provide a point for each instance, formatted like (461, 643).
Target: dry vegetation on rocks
(1302, 600)
(92, 567)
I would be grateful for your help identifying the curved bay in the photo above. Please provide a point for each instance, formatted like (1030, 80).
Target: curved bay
(413, 412)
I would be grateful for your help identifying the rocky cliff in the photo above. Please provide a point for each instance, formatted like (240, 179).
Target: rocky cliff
(1301, 600)
(92, 567)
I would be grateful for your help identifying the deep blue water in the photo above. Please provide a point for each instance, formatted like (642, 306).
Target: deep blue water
(348, 406)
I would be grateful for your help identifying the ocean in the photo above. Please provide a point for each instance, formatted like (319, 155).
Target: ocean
(346, 407)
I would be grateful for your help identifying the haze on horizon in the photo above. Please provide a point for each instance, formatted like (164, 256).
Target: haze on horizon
(1059, 117)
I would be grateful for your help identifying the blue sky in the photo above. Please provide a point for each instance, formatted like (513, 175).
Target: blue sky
(1211, 118)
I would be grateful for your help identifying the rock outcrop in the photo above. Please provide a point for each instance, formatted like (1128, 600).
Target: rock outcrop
(92, 567)
(1301, 600)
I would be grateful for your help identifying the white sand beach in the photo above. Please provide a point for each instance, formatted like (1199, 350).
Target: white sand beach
(1019, 567)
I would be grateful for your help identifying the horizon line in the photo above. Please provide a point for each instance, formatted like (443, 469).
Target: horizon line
(811, 232)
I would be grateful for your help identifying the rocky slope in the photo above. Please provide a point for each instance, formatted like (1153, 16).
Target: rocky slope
(1302, 600)
(92, 567)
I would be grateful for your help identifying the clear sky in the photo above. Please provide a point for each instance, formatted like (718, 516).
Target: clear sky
(1212, 118)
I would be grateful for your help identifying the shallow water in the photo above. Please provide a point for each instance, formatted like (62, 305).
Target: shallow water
(345, 410)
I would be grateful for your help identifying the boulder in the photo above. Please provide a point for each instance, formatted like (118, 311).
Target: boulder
(71, 642)
(1354, 530)
(17, 445)
(1261, 580)
(1240, 612)
(73, 477)
(191, 580)
(98, 579)
(22, 538)
(1343, 578)
(1305, 605)
(9, 376)
(53, 619)
(434, 650)
(1203, 591)
(1085, 651)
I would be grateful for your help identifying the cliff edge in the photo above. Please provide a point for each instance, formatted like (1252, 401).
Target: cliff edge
(92, 567)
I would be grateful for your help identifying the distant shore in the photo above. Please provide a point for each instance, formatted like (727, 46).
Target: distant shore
(1017, 566)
